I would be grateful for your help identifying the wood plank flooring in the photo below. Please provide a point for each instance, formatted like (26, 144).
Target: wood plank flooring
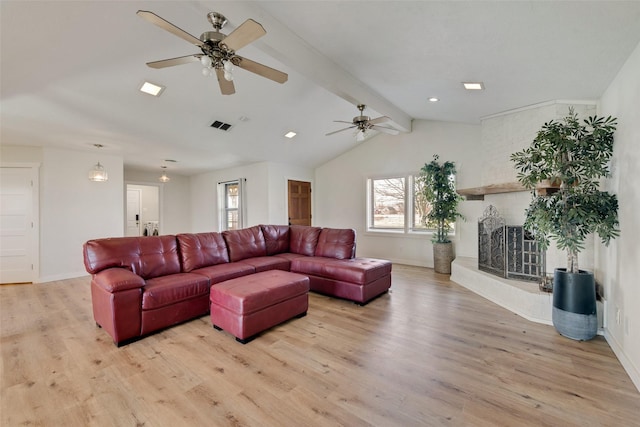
(429, 353)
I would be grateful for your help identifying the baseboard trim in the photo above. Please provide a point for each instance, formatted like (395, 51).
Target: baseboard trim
(626, 363)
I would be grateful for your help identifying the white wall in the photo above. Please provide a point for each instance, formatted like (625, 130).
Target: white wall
(175, 216)
(618, 266)
(265, 187)
(279, 174)
(340, 185)
(204, 196)
(72, 208)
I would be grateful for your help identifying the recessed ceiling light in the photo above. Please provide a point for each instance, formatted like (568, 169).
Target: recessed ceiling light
(473, 85)
(151, 89)
(434, 99)
(290, 134)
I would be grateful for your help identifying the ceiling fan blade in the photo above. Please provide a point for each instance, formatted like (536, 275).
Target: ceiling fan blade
(381, 119)
(341, 130)
(226, 87)
(342, 121)
(168, 26)
(385, 130)
(246, 33)
(174, 61)
(262, 70)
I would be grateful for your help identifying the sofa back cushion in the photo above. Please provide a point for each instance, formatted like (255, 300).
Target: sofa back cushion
(147, 257)
(337, 243)
(245, 243)
(276, 238)
(303, 239)
(202, 250)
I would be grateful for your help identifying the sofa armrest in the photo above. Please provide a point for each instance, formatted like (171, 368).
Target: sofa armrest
(117, 279)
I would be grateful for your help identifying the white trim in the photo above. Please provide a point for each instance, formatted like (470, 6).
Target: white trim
(63, 276)
(632, 370)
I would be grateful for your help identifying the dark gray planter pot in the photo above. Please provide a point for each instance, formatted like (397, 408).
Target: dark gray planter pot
(574, 304)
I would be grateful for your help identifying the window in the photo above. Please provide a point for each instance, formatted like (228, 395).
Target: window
(388, 203)
(396, 204)
(230, 197)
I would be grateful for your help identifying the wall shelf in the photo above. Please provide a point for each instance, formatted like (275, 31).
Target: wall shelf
(478, 193)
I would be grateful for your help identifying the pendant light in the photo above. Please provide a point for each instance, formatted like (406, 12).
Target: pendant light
(164, 177)
(98, 173)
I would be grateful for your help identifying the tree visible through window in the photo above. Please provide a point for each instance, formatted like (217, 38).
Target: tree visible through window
(397, 204)
(388, 203)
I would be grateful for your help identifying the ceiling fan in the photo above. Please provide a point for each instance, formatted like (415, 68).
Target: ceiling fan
(365, 124)
(218, 50)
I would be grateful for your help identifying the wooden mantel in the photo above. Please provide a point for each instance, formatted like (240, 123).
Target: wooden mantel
(478, 193)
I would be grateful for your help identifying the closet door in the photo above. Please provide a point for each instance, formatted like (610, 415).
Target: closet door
(18, 224)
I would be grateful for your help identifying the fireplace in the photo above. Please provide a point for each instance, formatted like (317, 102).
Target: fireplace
(508, 251)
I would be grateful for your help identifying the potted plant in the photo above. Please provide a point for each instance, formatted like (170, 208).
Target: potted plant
(439, 190)
(575, 153)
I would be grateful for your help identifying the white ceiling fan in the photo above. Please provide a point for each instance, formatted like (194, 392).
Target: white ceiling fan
(365, 124)
(218, 50)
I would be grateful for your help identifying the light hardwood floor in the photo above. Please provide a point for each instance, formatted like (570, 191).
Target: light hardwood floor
(429, 353)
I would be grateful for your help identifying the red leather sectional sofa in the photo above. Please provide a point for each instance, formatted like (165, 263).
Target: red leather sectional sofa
(140, 285)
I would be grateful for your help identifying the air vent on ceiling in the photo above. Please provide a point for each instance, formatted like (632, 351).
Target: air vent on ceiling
(220, 125)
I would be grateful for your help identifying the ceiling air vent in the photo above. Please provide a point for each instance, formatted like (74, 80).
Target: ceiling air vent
(220, 125)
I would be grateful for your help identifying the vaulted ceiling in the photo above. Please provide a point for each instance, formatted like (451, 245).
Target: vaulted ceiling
(70, 72)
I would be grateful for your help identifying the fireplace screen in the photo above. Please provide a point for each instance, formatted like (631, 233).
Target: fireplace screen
(506, 250)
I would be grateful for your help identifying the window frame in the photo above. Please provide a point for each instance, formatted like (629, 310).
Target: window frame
(410, 225)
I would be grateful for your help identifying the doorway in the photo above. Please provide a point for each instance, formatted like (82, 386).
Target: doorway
(142, 210)
(299, 202)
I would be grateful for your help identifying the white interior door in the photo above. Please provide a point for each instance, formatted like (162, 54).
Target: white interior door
(134, 198)
(18, 224)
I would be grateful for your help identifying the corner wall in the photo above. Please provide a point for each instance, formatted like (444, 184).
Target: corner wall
(618, 266)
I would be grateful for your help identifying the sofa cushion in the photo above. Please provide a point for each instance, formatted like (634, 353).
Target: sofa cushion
(303, 239)
(339, 243)
(276, 238)
(360, 271)
(202, 250)
(168, 290)
(147, 257)
(221, 272)
(265, 263)
(245, 243)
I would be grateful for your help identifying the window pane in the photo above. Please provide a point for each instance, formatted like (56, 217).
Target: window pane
(232, 219)
(231, 191)
(420, 206)
(388, 203)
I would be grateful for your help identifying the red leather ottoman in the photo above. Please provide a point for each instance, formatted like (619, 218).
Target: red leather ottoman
(248, 305)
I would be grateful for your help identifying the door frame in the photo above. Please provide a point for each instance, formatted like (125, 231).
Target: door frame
(286, 197)
(35, 214)
(160, 203)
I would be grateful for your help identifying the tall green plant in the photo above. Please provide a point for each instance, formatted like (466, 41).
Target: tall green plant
(438, 188)
(577, 155)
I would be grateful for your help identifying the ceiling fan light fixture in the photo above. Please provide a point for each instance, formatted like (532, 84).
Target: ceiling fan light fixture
(205, 61)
